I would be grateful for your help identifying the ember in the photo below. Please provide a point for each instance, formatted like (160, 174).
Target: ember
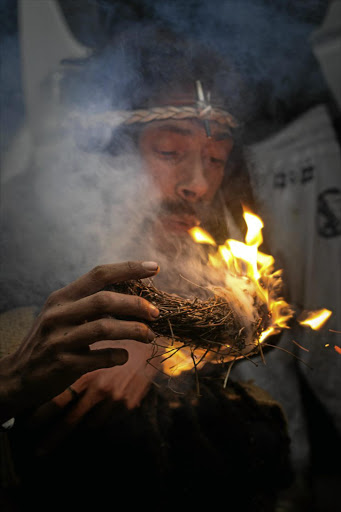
(314, 319)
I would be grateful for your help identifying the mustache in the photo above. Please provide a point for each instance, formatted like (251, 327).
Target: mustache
(179, 207)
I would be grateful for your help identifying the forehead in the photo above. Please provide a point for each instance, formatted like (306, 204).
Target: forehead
(187, 128)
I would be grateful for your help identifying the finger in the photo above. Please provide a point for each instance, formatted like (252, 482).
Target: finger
(55, 408)
(103, 329)
(135, 394)
(79, 364)
(65, 426)
(138, 387)
(82, 408)
(103, 303)
(44, 416)
(105, 275)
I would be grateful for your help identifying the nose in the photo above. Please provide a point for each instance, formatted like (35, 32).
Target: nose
(193, 185)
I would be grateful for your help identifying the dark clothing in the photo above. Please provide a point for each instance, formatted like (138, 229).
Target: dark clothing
(227, 447)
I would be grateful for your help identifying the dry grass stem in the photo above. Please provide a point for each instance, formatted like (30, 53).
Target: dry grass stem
(211, 324)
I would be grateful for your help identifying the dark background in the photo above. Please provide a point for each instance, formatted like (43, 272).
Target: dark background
(269, 39)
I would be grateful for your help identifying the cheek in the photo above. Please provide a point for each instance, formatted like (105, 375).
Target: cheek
(162, 175)
(214, 180)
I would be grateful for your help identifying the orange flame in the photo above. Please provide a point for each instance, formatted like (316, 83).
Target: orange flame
(244, 262)
(244, 259)
(177, 359)
(315, 319)
(201, 236)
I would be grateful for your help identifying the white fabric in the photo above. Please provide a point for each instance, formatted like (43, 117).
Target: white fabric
(297, 183)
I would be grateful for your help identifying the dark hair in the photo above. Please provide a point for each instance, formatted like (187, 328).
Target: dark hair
(145, 62)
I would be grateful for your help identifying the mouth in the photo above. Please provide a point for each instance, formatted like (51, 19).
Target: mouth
(179, 223)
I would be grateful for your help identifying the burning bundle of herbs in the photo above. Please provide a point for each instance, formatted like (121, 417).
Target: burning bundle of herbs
(234, 320)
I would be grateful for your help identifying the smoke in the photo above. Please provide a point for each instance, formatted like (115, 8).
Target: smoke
(76, 208)
(82, 198)
(268, 42)
(11, 99)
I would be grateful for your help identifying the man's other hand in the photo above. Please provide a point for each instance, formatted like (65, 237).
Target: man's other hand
(57, 350)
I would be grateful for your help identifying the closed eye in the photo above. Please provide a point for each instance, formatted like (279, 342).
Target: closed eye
(217, 161)
(168, 155)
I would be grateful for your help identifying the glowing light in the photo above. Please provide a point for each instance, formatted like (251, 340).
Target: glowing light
(268, 332)
(337, 349)
(246, 253)
(201, 236)
(245, 261)
(265, 262)
(227, 256)
(177, 360)
(254, 229)
(314, 319)
(246, 266)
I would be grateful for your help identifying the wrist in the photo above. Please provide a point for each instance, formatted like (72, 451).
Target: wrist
(9, 388)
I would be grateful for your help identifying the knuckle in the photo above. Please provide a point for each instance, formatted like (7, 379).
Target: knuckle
(52, 299)
(132, 266)
(141, 305)
(101, 388)
(61, 360)
(140, 331)
(98, 273)
(103, 327)
(47, 320)
(51, 349)
(102, 301)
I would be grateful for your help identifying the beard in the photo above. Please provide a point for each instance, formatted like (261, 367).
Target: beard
(183, 262)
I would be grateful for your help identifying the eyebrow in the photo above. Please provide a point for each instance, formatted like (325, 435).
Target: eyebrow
(186, 131)
(222, 136)
(175, 129)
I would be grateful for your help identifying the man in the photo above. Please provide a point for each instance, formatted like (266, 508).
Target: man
(185, 152)
(180, 130)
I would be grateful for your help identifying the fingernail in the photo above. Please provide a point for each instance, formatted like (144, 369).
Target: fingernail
(151, 335)
(154, 311)
(150, 265)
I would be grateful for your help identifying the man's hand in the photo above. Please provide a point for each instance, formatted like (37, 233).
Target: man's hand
(95, 395)
(56, 352)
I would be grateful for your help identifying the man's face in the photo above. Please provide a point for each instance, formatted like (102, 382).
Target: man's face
(186, 168)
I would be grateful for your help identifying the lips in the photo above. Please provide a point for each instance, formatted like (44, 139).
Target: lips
(179, 223)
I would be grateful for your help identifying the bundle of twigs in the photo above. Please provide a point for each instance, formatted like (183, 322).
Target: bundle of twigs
(211, 324)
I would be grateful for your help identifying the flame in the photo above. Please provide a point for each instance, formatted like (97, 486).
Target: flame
(201, 236)
(254, 229)
(243, 263)
(315, 319)
(268, 332)
(177, 359)
(244, 259)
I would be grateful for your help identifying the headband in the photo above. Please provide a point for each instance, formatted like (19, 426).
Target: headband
(202, 110)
